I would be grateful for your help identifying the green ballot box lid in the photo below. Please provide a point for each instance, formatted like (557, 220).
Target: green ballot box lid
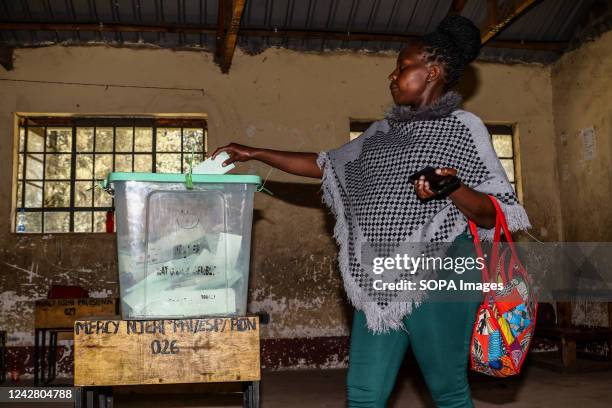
(180, 178)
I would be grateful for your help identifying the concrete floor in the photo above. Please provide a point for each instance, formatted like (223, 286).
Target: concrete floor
(325, 389)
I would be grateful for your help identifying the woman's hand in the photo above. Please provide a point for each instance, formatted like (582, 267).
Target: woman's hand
(298, 163)
(475, 205)
(236, 152)
(421, 186)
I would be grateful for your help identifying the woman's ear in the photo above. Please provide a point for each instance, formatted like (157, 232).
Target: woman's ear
(435, 73)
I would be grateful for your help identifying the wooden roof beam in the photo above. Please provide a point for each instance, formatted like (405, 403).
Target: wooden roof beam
(272, 33)
(220, 37)
(498, 18)
(231, 35)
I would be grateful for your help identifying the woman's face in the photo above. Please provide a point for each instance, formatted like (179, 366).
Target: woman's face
(411, 77)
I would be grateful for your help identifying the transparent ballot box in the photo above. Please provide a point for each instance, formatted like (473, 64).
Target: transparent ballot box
(183, 252)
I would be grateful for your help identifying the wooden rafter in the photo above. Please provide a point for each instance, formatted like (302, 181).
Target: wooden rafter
(6, 58)
(231, 35)
(220, 37)
(457, 6)
(500, 16)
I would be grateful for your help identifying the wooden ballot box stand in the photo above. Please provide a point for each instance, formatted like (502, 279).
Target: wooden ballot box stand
(134, 352)
(54, 316)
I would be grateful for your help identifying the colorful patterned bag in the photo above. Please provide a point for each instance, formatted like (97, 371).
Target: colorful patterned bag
(505, 321)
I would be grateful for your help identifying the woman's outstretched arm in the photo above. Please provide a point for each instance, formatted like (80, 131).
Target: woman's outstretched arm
(298, 163)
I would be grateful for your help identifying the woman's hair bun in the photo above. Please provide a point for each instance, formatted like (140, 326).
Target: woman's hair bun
(463, 34)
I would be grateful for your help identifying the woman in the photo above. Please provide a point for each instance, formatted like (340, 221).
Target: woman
(365, 182)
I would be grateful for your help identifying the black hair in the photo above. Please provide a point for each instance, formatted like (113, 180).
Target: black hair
(455, 43)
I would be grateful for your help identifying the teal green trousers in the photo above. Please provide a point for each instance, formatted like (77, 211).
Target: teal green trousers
(439, 333)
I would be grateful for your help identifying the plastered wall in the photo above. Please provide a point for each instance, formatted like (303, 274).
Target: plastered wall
(582, 100)
(278, 99)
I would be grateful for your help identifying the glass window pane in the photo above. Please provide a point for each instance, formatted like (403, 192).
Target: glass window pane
(20, 166)
(58, 166)
(59, 140)
(193, 139)
(502, 145)
(34, 166)
(354, 135)
(102, 198)
(33, 194)
(84, 166)
(57, 222)
(18, 202)
(36, 139)
(57, 194)
(83, 194)
(103, 165)
(33, 222)
(82, 221)
(168, 140)
(123, 139)
(168, 163)
(104, 139)
(123, 162)
(100, 221)
(197, 159)
(508, 165)
(143, 163)
(143, 141)
(21, 139)
(85, 139)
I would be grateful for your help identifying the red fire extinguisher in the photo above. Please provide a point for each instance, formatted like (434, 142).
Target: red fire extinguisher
(110, 222)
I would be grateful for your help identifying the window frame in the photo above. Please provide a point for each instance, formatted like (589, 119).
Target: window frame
(46, 121)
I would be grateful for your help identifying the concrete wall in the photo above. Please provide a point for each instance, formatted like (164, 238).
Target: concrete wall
(582, 99)
(279, 99)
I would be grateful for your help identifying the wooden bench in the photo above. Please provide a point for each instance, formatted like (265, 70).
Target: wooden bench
(199, 350)
(56, 317)
(567, 336)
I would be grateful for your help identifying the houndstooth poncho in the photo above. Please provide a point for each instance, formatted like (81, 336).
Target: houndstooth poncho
(365, 183)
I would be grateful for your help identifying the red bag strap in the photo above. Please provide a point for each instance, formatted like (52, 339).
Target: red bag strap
(500, 225)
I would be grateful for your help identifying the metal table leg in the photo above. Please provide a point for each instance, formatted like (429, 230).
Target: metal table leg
(78, 397)
(36, 356)
(250, 396)
(52, 357)
(43, 354)
(2, 357)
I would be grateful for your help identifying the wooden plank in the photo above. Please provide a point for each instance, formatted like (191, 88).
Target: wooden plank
(62, 313)
(220, 28)
(6, 58)
(564, 314)
(121, 352)
(231, 37)
(502, 17)
(110, 27)
(272, 33)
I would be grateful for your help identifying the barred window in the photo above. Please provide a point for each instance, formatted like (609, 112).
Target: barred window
(62, 160)
(502, 137)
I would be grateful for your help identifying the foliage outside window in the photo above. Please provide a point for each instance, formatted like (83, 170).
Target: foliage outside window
(62, 160)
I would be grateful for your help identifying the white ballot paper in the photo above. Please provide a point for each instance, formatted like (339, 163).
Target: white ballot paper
(195, 284)
(210, 166)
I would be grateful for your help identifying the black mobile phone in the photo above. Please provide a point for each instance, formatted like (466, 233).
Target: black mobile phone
(440, 185)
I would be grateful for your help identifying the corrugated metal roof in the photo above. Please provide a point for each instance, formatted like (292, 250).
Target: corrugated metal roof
(550, 20)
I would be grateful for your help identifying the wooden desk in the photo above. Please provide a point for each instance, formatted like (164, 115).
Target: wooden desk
(54, 316)
(198, 350)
